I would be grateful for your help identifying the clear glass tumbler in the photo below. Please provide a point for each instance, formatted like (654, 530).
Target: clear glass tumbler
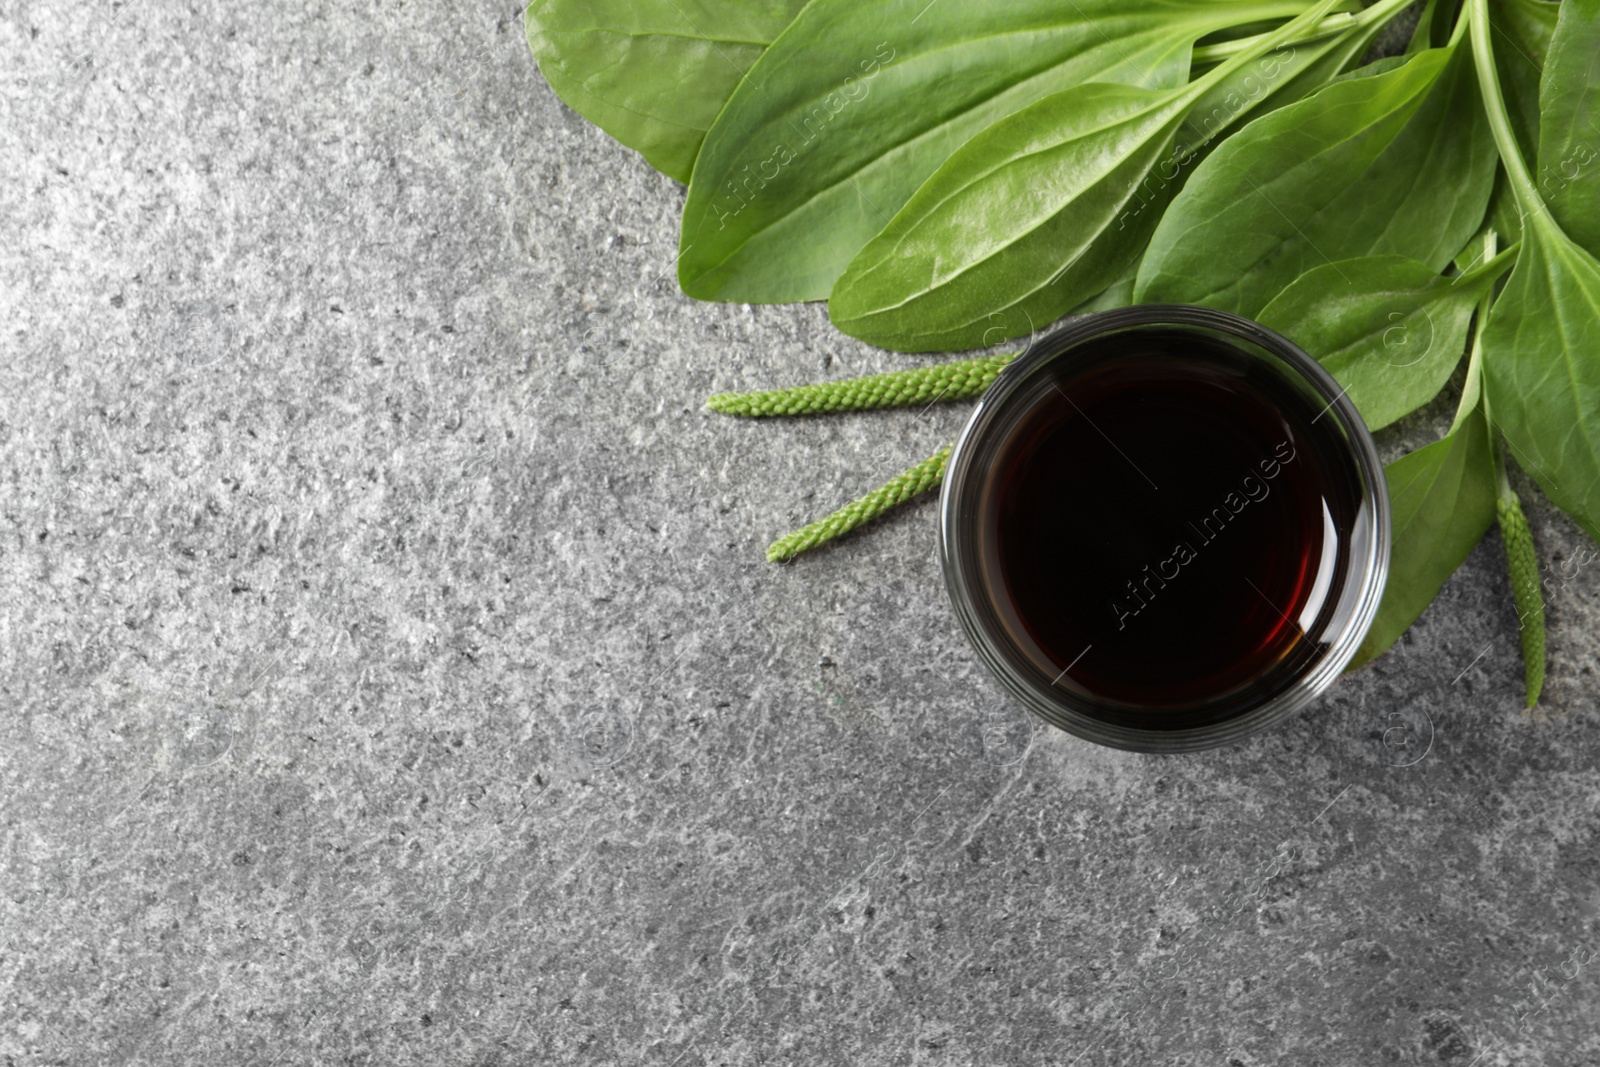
(970, 539)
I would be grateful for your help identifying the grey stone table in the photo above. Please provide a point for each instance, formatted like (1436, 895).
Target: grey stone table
(391, 673)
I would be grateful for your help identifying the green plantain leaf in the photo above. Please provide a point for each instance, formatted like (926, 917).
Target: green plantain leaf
(1442, 500)
(1541, 357)
(856, 103)
(1398, 163)
(1033, 216)
(982, 246)
(1388, 328)
(652, 73)
(1569, 135)
(1285, 75)
(1280, 78)
(1540, 343)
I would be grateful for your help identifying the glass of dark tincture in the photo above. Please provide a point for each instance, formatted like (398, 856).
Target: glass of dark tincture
(1165, 528)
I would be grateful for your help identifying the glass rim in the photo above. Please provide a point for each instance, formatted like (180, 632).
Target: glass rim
(1369, 572)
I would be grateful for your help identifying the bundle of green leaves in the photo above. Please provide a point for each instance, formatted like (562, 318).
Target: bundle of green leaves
(950, 176)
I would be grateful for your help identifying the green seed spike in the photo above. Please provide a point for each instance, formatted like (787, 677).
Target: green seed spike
(1523, 563)
(896, 491)
(960, 380)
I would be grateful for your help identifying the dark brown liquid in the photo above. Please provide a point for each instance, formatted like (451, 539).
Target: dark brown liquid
(1171, 527)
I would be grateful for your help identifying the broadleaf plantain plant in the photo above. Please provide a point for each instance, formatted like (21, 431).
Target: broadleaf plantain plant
(949, 176)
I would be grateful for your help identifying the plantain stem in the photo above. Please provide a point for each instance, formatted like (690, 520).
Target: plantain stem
(1337, 23)
(1476, 16)
(1204, 55)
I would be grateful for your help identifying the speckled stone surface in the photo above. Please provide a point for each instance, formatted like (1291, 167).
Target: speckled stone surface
(391, 674)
